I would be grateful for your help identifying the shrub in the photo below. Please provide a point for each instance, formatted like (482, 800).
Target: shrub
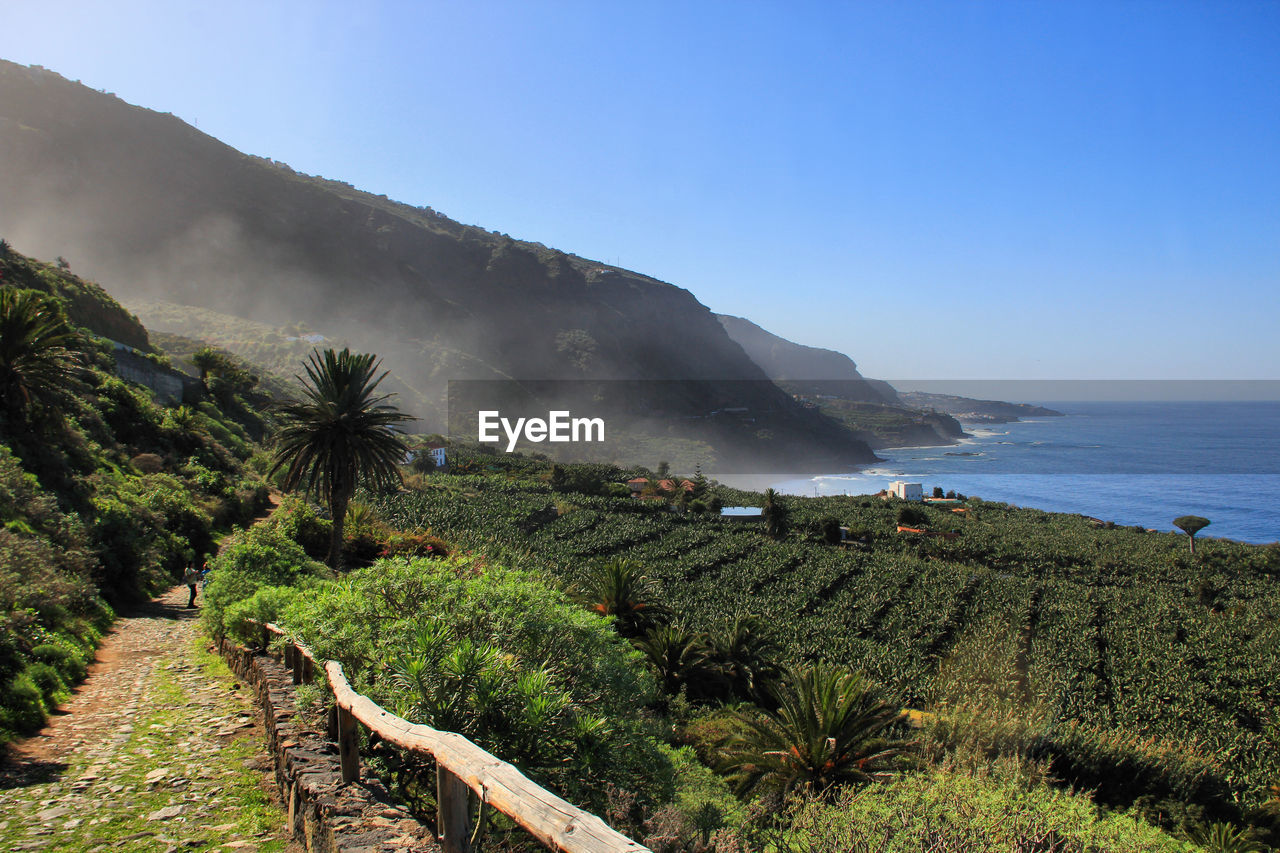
(954, 811)
(22, 707)
(828, 530)
(148, 463)
(703, 800)
(297, 520)
(68, 664)
(243, 618)
(261, 556)
(912, 516)
(498, 655)
(46, 680)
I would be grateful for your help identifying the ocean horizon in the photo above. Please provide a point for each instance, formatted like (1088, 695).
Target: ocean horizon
(1132, 463)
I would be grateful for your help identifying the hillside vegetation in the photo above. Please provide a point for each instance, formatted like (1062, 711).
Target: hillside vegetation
(1129, 666)
(105, 495)
(1035, 679)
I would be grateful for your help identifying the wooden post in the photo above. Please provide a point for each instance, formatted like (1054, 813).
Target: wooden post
(266, 639)
(308, 670)
(348, 746)
(296, 654)
(453, 820)
(331, 724)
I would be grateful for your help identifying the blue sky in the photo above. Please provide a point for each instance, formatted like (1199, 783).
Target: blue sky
(969, 190)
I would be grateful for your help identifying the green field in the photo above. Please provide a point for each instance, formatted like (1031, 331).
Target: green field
(1058, 632)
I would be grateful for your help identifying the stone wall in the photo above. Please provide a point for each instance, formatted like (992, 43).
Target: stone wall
(324, 815)
(170, 386)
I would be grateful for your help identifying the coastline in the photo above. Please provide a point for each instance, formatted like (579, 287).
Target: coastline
(1133, 464)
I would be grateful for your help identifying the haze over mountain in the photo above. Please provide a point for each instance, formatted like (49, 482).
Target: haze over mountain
(153, 209)
(810, 369)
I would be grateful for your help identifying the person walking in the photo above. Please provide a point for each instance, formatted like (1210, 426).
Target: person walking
(191, 578)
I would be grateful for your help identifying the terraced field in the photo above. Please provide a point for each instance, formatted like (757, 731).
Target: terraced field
(1120, 630)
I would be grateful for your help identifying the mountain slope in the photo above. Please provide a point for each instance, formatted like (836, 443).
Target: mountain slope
(154, 209)
(829, 382)
(808, 369)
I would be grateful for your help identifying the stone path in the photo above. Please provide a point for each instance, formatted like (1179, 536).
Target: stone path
(158, 750)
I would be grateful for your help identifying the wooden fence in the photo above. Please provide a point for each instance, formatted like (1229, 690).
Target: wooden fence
(461, 766)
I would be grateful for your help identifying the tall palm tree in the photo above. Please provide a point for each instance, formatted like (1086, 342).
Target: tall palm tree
(39, 352)
(340, 435)
(831, 727)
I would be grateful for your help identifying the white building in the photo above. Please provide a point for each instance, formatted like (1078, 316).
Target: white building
(435, 454)
(907, 491)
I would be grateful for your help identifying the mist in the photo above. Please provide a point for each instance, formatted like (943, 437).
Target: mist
(154, 210)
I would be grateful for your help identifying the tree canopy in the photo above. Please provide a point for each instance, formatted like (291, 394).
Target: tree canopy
(1191, 525)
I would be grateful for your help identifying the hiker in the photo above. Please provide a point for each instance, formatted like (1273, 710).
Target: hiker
(191, 578)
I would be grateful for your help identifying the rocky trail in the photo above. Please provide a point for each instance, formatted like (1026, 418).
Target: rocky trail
(158, 750)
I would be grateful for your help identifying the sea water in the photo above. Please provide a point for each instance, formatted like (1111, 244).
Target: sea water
(1131, 463)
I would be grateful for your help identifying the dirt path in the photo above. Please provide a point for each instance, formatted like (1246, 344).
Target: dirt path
(158, 750)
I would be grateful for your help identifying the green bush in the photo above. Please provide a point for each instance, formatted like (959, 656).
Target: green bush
(297, 520)
(244, 618)
(703, 802)
(500, 656)
(259, 557)
(46, 680)
(954, 811)
(67, 662)
(122, 536)
(22, 707)
(911, 515)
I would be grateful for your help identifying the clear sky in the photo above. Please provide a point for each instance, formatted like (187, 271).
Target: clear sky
(951, 189)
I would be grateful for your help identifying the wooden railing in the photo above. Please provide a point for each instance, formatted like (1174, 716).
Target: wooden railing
(461, 766)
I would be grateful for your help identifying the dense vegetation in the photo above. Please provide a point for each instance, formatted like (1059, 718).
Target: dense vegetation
(1113, 657)
(1069, 685)
(105, 495)
(816, 680)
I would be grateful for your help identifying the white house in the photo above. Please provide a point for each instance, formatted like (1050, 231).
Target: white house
(907, 491)
(435, 454)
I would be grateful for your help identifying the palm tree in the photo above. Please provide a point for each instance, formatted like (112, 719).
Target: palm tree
(206, 360)
(620, 588)
(39, 352)
(745, 654)
(681, 659)
(831, 727)
(340, 435)
(1226, 838)
(775, 515)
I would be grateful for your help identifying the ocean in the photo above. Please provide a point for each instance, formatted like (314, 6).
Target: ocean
(1132, 463)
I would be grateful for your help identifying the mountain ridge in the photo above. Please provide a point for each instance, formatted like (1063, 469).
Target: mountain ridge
(153, 208)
